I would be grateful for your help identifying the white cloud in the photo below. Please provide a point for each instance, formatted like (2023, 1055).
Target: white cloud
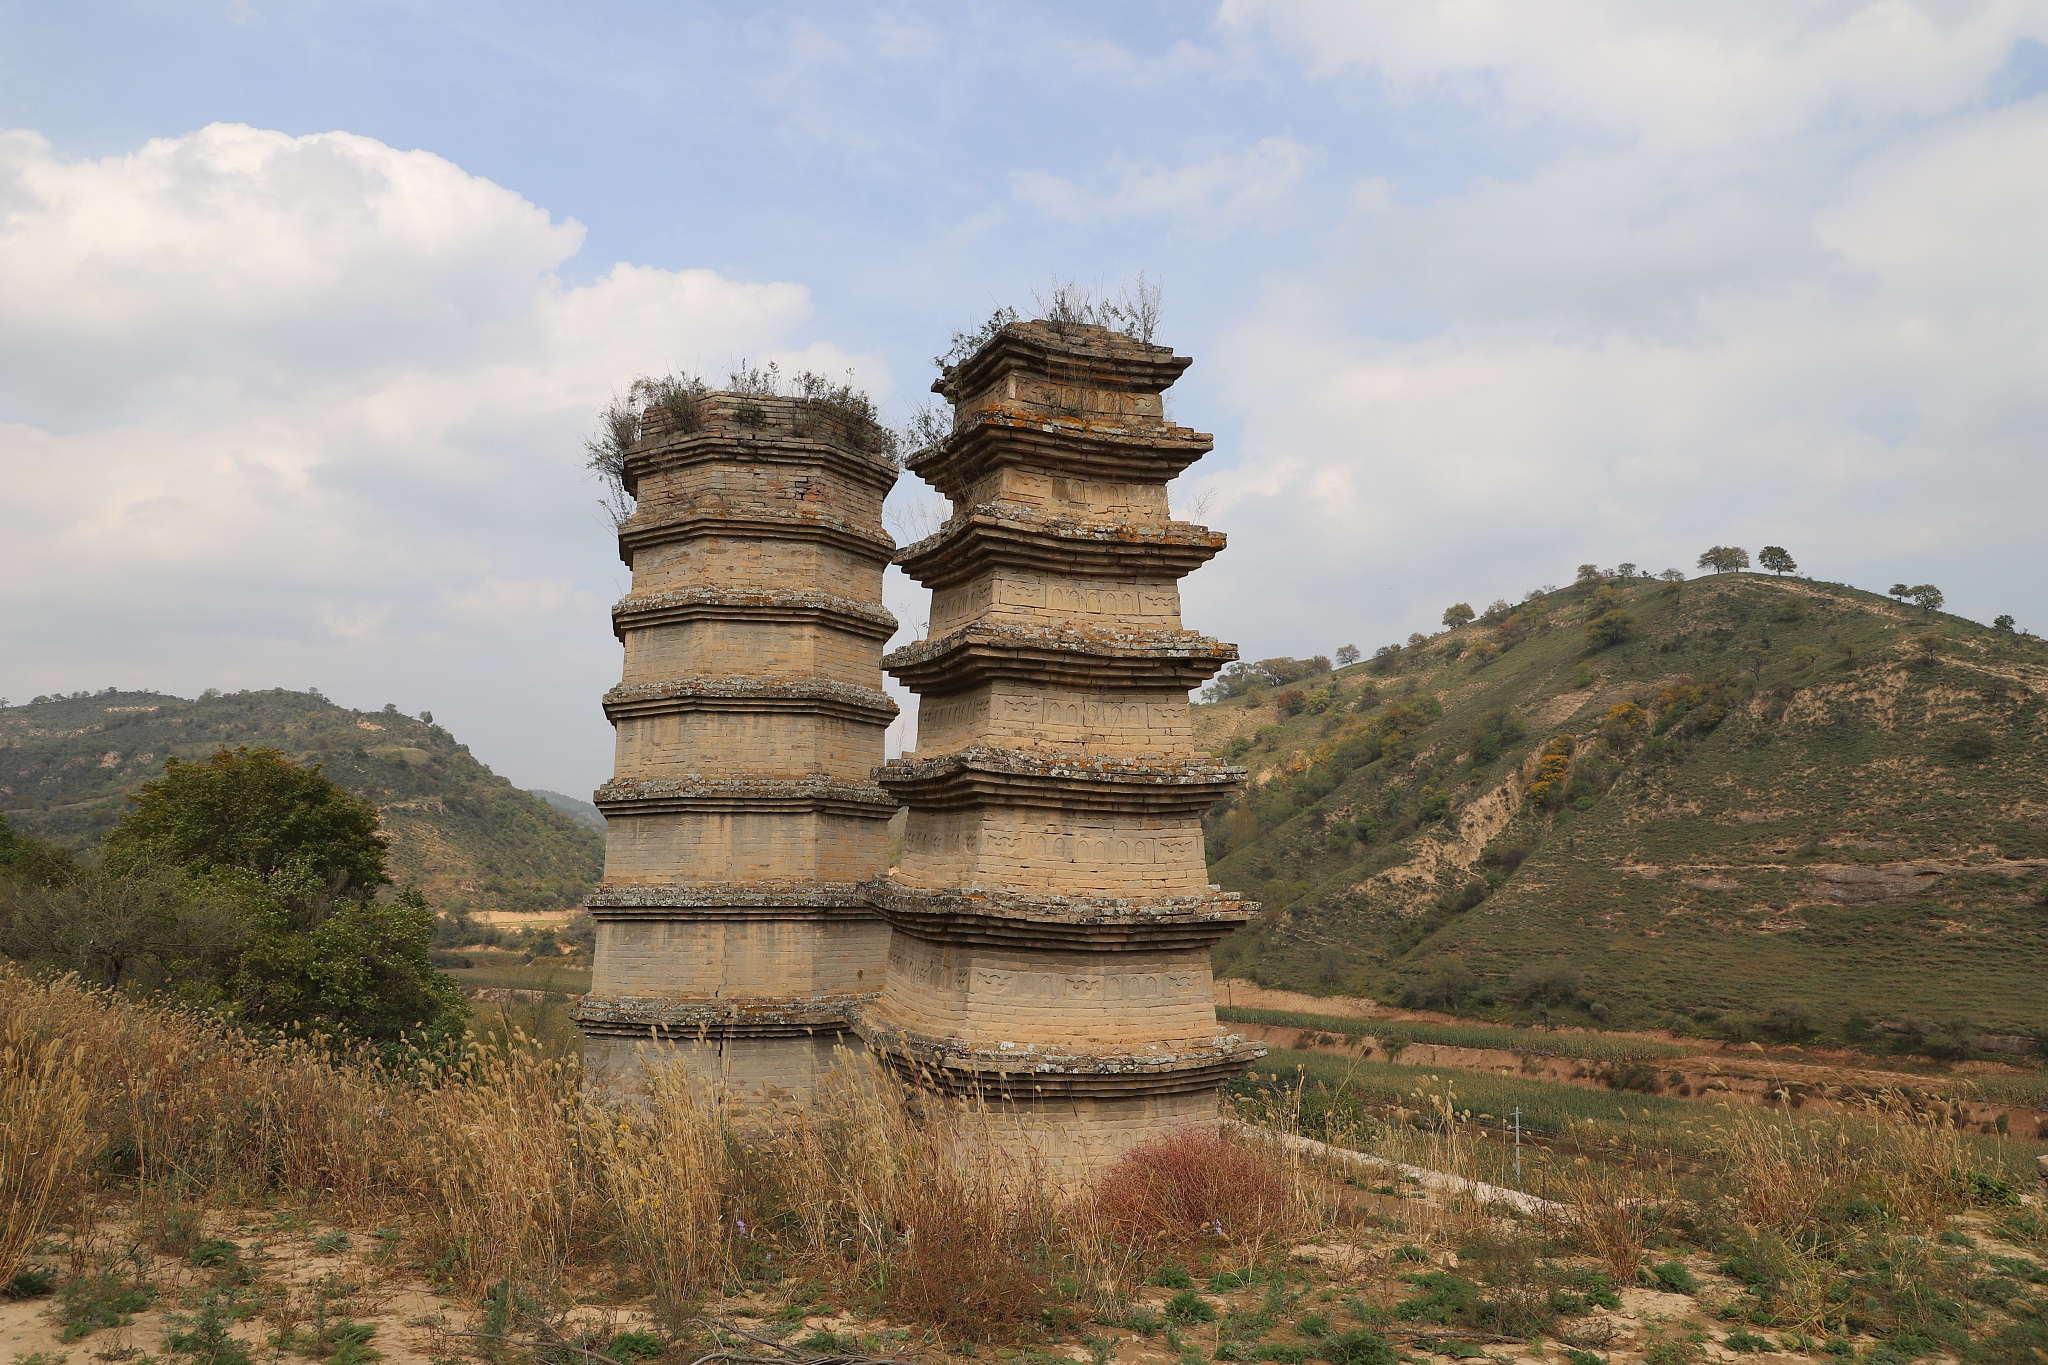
(1731, 323)
(1218, 193)
(1678, 75)
(291, 411)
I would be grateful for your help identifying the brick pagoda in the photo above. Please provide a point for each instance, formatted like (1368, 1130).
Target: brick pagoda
(743, 811)
(1052, 918)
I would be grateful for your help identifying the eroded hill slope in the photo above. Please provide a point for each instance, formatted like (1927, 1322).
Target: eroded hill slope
(1793, 802)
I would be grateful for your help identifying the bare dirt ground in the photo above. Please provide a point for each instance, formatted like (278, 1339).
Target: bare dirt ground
(291, 1289)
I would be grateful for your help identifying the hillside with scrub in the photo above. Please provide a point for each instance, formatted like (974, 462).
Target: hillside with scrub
(464, 836)
(1744, 806)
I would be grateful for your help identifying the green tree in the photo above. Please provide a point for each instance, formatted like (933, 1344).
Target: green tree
(1458, 614)
(362, 970)
(1775, 558)
(1900, 591)
(1724, 558)
(1609, 628)
(32, 862)
(254, 811)
(1927, 597)
(2002, 622)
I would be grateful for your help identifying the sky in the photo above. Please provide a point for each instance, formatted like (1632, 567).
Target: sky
(306, 308)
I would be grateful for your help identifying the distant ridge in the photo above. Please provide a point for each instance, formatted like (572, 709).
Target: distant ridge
(571, 807)
(466, 836)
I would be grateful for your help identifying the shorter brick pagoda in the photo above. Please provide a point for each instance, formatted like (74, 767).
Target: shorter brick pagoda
(743, 811)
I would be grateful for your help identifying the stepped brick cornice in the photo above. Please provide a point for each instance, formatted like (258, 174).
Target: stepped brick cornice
(1005, 535)
(996, 917)
(984, 651)
(1092, 357)
(1111, 450)
(745, 900)
(746, 429)
(1030, 1071)
(785, 696)
(743, 796)
(645, 610)
(684, 1021)
(1075, 782)
(645, 529)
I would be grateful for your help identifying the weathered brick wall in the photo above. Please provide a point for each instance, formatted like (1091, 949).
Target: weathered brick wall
(712, 959)
(1076, 855)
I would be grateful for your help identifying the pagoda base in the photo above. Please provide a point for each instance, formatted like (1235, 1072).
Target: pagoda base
(761, 1057)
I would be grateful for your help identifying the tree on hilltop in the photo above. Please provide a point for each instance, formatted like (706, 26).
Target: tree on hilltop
(1775, 558)
(2003, 622)
(1458, 614)
(1724, 558)
(1926, 596)
(1347, 655)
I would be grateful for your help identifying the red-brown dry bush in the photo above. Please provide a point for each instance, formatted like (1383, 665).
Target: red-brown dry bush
(1193, 1184)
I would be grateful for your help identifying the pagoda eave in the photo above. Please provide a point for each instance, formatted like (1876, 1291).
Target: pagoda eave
(804, 696)
(645, 529)
(995, 536)
(743, 796)
(664, 453)
(1057, 656)
(1013, 777)
(1092, 448)
(669, 1019)
(997, 919)
(1031, 1074)
(781, 606)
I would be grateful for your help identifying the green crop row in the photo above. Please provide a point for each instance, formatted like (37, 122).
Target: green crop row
(1593, 1047)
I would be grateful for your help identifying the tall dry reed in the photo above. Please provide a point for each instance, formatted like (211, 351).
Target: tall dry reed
(511, 1169)
(45, 1140)
(506, 1141)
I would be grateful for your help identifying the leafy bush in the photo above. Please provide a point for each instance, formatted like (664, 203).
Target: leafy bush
(1673, 1277)
(1187, 1307)
(1357, 1347)
(31, 1282)
(1556, 982)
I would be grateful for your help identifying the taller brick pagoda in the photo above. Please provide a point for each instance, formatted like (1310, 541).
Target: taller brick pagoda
(1051, 919)
(742, 811)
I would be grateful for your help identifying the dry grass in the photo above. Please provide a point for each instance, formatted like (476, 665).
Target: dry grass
(45, 1141)
(510, 1169)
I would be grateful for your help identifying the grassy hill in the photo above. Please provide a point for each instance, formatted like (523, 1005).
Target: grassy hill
(1776, 807)
(464, 835)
